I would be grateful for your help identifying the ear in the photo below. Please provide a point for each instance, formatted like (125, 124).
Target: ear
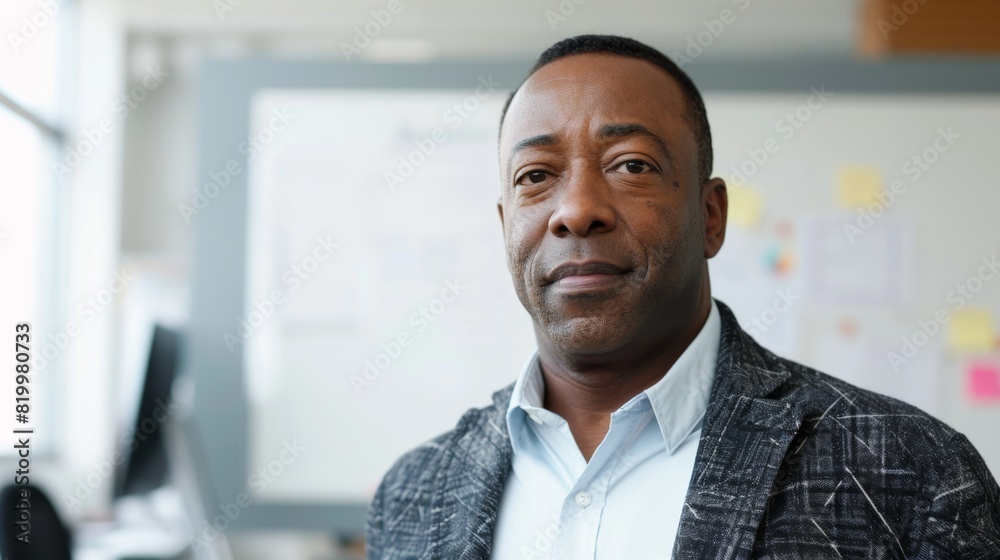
(715, 203)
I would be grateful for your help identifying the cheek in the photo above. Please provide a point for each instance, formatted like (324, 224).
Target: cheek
(664, 235)
(524, 234)
(519, 254)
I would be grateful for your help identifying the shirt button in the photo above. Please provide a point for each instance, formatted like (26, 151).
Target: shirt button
(534, 417)
(583, 499)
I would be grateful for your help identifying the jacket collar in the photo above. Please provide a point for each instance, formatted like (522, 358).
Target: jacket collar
(744, 437)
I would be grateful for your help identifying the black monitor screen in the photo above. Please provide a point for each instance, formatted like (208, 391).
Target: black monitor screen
(144, 467)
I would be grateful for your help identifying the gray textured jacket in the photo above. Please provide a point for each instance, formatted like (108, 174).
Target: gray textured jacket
(792, 463)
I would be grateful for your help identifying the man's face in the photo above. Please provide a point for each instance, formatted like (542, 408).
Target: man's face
(606, 225)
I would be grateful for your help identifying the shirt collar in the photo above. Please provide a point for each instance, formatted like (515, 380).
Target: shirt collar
(679, 399)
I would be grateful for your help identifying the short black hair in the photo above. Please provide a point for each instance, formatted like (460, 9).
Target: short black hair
(696, 115)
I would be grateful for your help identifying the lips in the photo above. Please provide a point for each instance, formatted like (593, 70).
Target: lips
(583, 270)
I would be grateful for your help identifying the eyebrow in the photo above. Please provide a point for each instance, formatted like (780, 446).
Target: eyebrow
(532, 142)
(608, 131)
(625, 130)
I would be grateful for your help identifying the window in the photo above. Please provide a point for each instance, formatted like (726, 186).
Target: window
(29, 191)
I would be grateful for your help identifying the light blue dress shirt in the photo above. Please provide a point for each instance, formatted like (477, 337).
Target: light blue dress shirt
(627, 501)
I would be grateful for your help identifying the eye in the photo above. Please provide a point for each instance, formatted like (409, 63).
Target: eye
(534, 177)
(636, 166)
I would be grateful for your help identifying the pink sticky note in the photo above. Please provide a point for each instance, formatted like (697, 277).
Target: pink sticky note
(983, 382)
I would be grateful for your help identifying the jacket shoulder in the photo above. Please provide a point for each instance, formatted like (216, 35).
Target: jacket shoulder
(872, 460)
(402, 506)
(420, 464)
(848, 405)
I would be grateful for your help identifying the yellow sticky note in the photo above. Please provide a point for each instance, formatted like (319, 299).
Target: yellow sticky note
(971, 330)
(745, 206)
(858, 185)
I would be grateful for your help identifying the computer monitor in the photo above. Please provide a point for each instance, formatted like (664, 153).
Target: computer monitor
(145, 466)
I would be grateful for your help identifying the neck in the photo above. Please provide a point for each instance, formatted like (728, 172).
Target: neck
(586, 389)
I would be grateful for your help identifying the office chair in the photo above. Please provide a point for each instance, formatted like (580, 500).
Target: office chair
(24, 506)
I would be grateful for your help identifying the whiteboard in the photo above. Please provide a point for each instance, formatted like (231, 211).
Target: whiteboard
(405, 248)
(403, 239)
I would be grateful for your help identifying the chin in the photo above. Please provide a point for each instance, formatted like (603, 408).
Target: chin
(588, 335)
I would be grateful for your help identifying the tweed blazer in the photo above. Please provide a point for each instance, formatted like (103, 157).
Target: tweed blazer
(791, 464)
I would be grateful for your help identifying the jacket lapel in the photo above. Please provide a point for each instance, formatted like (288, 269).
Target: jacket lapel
(745, 436)
(466, 502)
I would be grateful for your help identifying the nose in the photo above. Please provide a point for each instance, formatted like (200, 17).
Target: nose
(584, 206)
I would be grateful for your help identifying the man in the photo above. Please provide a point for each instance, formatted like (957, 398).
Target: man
(648, 423)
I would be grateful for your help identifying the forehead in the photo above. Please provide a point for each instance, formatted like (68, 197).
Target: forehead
(580, 93)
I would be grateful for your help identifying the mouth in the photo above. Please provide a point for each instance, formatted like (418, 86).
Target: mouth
(585, 276)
